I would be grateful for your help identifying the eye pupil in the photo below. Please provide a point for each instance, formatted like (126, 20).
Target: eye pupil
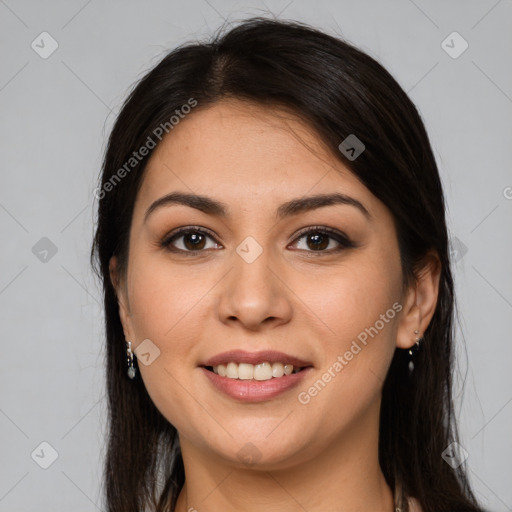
(320, 241)
(196, 239)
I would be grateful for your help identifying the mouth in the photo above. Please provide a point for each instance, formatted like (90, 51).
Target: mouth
(255, 377)
(262, 371)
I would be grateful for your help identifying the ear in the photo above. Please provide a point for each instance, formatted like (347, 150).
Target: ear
(122, 299)
(420, 303)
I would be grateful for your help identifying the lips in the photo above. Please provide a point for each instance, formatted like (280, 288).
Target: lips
(255, 358)
(260, 385)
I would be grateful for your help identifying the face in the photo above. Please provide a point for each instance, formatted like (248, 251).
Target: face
(313, 285)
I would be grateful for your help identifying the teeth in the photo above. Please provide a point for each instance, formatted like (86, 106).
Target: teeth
(232, 371)
(277, 370)
(245, 371)
(262, 371)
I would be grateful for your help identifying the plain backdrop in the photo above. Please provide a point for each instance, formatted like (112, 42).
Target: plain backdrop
(56, 112)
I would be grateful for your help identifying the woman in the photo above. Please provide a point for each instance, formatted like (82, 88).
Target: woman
(272, 243)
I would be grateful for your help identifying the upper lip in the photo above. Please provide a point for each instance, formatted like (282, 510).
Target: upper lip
(263, 356)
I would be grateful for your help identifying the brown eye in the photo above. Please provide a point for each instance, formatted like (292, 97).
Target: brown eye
(194, 241)
(188, 240)
(320, 239)
(317, 241)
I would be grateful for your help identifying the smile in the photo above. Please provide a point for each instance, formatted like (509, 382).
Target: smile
(262, 371)
(255, 376)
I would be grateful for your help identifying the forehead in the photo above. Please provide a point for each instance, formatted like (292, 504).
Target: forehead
(247, 154)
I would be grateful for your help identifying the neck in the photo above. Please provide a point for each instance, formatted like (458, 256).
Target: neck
(345, 477)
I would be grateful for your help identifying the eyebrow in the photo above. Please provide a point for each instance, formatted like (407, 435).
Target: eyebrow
(211, 206)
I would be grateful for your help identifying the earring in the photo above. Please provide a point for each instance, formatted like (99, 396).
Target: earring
(411, 355)
(129, 355)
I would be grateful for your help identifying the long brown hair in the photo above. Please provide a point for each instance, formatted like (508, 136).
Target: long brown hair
(338, 90)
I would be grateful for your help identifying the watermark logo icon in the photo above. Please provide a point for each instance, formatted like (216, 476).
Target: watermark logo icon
(44, 250)
(454, 45)
(249, 249)
(249, 454)
(44, 45)
(44, 455)
(147, 352)
(457, 249)
(454, 455)
(352, 147)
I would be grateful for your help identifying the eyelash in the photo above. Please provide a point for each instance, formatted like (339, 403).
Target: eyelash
(338, 236)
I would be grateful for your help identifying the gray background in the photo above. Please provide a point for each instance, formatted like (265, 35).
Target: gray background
(55, 115)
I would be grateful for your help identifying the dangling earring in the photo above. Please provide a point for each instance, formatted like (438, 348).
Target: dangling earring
(411, 355)
(129, 355)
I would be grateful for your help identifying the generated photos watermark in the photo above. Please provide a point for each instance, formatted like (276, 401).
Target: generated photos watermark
(137, 156)
(342, 361)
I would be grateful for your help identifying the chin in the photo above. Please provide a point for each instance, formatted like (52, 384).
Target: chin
(261, 453)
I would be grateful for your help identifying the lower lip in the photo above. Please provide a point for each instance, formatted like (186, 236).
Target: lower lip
(255, 390)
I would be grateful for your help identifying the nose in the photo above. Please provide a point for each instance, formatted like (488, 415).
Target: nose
(254, 293)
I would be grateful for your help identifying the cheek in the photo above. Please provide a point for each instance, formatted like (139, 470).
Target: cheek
(359, 310)
(353, 297)
(348, 384)
(164, 306)
(165, 300)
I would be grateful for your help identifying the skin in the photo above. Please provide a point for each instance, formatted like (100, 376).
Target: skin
(323, 455)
